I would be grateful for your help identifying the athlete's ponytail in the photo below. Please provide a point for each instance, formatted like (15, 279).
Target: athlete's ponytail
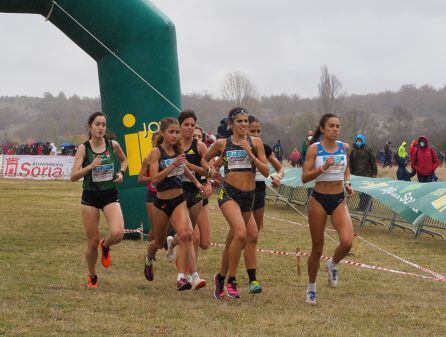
(318, 133)
(164, 125)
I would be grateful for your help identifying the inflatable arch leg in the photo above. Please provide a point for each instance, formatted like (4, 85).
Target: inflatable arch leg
(138, 34)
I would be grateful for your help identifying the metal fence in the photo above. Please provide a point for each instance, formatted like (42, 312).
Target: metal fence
(365, 209)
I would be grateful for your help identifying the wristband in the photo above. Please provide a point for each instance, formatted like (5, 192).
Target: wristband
(322, 169)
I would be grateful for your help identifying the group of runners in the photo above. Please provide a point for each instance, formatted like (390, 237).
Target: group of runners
(181, 173)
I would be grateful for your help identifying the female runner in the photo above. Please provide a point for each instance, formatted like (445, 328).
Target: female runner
(94, 162)
(167, 166)
(242, 155)
(202, 232)
(326, 162)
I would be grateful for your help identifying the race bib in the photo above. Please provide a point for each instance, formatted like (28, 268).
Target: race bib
(338, 166)
(238, 159)
(177, 171)
(103, 173)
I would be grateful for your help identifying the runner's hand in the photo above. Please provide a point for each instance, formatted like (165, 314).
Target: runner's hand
(96, 162)
(349, 190)
(275, 180)
(330, 161)
(245, 145)
(181, 159)
(119, 178)
(207, 190)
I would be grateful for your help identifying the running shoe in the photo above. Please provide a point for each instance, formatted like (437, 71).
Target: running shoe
(106, 257)
(92, 282)
(198, 283)
(231, 290)
(311, 297)
(183, 284)
(255, 287)
(171, 253)
(219, 292)
(148, 268)
(333, 279)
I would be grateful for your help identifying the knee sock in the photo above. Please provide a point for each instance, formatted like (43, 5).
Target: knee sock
(251, 275)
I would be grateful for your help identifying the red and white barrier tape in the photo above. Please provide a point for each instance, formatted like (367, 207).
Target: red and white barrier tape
(131, 231)
(412, 264)
(352, 263)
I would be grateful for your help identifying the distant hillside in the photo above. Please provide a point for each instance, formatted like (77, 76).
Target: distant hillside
(402, 115)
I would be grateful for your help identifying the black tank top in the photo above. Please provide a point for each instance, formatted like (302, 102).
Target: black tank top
(236, 159)
(175, 178)
(193, 157)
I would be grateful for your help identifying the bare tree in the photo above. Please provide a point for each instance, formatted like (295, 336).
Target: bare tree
(330, 92)
(355, 122)
(237, 88)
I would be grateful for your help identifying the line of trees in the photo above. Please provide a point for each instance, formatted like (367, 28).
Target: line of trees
(395, 116)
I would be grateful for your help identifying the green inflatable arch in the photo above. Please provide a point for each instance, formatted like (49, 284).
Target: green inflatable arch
(134, 45)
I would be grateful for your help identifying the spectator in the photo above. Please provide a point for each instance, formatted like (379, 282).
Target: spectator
(39, 149)
(278, 151)
(362, 163)
(53, 151)
(425, 161)
(387, 154)
(294, 157)
(402, 150)
(413, 147)
(306, 144)
(402, 173)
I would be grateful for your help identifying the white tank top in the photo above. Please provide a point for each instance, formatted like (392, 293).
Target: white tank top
(337, 170)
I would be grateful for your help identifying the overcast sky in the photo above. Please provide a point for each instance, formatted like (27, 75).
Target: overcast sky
(370, 45)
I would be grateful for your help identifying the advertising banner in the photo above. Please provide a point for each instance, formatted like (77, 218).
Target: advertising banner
(36, 167)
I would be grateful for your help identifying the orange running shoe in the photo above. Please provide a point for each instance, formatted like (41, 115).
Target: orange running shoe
(106, 257)
(92, 282)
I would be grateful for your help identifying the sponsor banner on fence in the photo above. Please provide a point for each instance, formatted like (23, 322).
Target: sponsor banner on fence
(409, 199)
(36, 167)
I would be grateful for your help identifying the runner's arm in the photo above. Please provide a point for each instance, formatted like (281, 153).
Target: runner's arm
(310, 173)
(142, 177)
(77, 170)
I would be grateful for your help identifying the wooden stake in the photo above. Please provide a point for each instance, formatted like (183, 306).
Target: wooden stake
(298, 262)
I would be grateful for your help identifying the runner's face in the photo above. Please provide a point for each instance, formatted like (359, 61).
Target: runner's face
(240, 125)
(172, 134)
(98, 127)
(331, 128)
(255, 129)
(188, 128)
(198, 135)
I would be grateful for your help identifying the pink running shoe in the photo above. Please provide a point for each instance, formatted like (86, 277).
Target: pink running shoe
(219, 292)
(231, 290)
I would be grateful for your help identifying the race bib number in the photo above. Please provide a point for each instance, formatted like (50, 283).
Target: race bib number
(238, 159)
(177, 171)
(103, 173)
(338, 166)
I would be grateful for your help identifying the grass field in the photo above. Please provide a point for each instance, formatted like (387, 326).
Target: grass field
(43, 277)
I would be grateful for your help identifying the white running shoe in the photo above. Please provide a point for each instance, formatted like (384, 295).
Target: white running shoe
(171, 254)
(198, 283)
(333, 279)
(311, 297)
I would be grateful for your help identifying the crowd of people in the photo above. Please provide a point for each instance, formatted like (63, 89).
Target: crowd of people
(181, 172)
(39, 149)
